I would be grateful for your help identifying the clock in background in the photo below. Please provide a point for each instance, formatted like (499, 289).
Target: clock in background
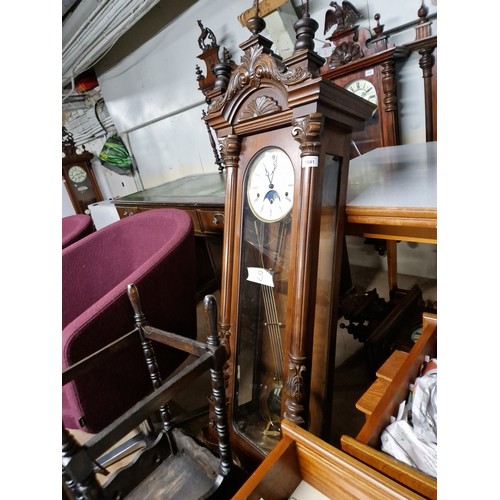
(365, 89)
(366, 64)
(78, 176)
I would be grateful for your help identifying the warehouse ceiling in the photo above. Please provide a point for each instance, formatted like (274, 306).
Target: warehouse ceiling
(90, 28)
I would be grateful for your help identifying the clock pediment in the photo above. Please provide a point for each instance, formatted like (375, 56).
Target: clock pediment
(258, 67)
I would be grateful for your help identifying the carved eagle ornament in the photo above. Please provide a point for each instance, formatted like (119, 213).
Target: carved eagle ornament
(344, 17)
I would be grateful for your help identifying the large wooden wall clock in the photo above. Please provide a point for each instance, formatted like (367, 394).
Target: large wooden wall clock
(285, 138)
(366, 65)
(78, 176)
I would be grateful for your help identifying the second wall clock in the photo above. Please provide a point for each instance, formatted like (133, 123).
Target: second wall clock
(366, 64)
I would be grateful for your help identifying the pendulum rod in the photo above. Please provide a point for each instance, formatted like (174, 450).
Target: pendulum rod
(270, 310)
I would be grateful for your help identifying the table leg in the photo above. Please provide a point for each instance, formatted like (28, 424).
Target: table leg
(392, 264)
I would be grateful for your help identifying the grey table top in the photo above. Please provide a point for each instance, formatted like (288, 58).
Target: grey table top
(395, 176)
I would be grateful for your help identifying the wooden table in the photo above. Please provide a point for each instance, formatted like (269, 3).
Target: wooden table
(202, 197)
(391, 195)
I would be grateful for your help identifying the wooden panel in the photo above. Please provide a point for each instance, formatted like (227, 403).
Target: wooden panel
(391, 232)
(196, 222)
(302, 456)
(398, 389)
(410, 477)
(127, 211)
(393, 363)
(265, 7)
(277, 477)
(370, 399)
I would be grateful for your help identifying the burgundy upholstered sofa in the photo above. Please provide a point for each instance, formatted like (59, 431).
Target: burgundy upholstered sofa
(156, 251)
(75, 227)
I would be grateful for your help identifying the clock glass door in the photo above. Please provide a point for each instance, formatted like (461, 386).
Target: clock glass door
(263, 286)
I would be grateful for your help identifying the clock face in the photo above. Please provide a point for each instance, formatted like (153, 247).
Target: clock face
(364, 89)
(77, 174)
(270, 185)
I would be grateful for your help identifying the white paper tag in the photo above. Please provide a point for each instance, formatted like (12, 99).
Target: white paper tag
(309, 161)
(260, 275)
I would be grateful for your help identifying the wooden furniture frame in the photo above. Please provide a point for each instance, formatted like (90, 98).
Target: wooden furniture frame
(365, 446)
(286, 104)
(80, 462)
(301, 456)
(426, 45)
(392, 196)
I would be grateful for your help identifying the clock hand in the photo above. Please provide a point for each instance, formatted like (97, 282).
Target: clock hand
(267, 175)
(270, 177)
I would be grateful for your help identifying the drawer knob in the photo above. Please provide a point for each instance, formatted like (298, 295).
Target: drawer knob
(215, 220)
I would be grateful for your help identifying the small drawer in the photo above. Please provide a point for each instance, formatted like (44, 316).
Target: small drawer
(212, 221)
(365, 447)
(127, 211)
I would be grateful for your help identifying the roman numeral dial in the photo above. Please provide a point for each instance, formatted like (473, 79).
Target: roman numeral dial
(364, 89)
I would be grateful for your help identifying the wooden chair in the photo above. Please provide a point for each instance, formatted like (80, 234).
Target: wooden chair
(173, 465)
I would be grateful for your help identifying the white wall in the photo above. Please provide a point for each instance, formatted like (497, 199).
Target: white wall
(148, 81)
(152, 94)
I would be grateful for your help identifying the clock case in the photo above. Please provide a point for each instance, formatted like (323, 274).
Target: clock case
(271, 102)
(82, 194)
(358, 55)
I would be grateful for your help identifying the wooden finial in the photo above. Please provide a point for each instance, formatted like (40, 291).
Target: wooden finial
(305, 28)
(422, 13)
(256, 24)
(379, 28)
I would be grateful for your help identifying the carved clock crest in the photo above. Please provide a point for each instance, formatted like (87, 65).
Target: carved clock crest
(365, 64)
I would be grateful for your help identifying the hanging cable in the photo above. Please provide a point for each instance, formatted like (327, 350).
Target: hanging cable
(107, 23)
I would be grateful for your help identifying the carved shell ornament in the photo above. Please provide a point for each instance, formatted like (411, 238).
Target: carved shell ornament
(256, 65)
(345, 53)
(260, 106)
